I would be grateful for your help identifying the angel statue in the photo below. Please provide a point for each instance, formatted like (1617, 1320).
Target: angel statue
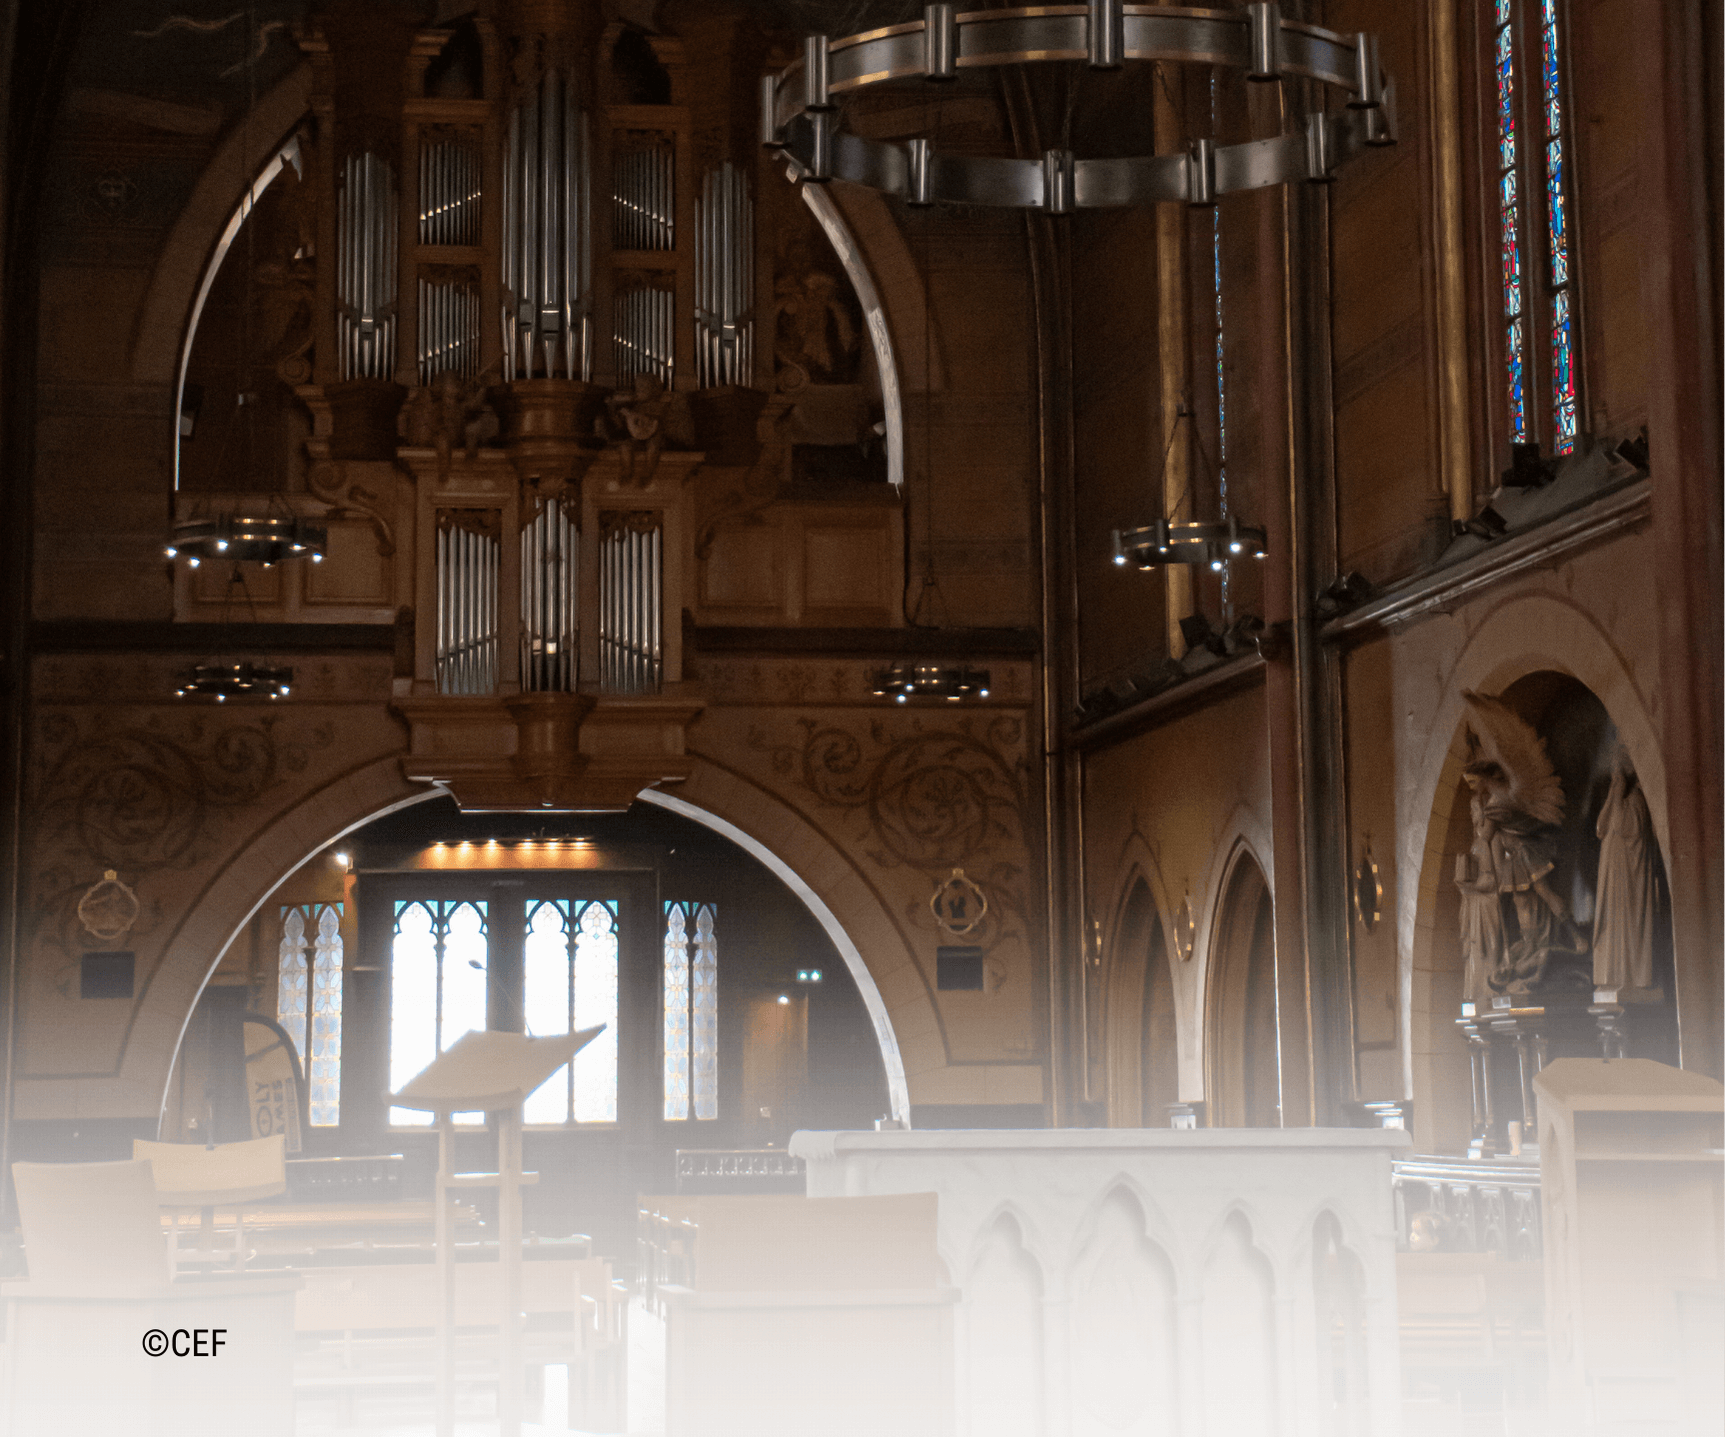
(1517, 802)
(1623, 923)
(642, 420)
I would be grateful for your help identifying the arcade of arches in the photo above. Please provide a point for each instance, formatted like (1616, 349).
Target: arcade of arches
(1260, 844)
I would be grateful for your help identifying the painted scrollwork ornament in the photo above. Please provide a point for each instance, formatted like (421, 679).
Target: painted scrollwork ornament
(109, 908)
(958, 904)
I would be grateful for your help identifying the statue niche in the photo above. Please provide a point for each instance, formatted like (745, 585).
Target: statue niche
(1516, 801)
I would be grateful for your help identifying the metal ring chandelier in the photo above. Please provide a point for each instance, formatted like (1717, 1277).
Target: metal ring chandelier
(222, 682)
(1169, 542)
(952, 682)
(799, 114)
(236, 537)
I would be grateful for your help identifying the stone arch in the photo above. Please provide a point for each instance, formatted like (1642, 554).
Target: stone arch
(232, 898)
(1140, 1019)
(846, 906)
(1123, 1304)
(1526, 634)
(167, 306)
(1242, 1050)
(1240, 1342)
(852, 913)
(1001, 1342)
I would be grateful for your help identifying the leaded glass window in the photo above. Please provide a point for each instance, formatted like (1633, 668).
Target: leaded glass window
(439, 956)
(569, 966)
(308, 1002)
(1532, 190)
(691, 1011)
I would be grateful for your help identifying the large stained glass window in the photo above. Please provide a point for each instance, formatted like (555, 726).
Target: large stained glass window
(1533, 206)
(308, 1002)
(1509, 222)
(1557, 225)
(691, 1011)
(569, 968)
(439, 957)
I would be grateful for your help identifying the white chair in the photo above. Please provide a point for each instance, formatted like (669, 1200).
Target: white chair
(190, 1176)
(90, 1226)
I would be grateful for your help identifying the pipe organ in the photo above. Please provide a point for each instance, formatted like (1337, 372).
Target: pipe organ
(547, 241)
(724, 279)
(550, 599)
(468, 546)
(537, 322)
(631, 564)
(365, 258)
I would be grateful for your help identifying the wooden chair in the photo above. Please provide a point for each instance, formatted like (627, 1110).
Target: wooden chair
(188, 1176)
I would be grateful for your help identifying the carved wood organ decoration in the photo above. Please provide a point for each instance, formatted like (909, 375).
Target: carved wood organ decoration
(534, 275)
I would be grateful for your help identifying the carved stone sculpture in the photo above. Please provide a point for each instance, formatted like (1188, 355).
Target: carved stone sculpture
(1482, 935)
(1623, 922)
(1520, 802)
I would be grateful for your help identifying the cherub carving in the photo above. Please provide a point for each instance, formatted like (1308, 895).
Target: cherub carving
(641, 421)
(1517, 802)
(450, 410)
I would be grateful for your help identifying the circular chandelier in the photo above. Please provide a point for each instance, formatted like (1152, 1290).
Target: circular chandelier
(222, 682)
(1165, 542)
(799, 113)
(240, 538)
(952, 682)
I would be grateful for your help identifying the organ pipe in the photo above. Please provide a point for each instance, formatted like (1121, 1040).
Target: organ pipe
(448, 329)
(550, 627)
(467, 572)
(724, 279)
(644, 333)
(547, 255)
(449, 194)
(366, 239)
(630, 604)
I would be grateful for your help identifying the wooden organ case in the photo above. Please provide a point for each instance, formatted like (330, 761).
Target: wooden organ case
(548, 413)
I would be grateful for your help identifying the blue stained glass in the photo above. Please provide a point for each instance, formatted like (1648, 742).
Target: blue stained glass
(1503, 12)
(1517, 397)
(1511, 239)
(1557, 209)
(1563, 374)
(1505, 101)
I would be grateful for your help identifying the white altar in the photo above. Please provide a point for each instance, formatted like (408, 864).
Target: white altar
(1223, 1282)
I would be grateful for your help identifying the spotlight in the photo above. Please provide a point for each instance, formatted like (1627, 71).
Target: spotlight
(783, 1000)
(343, 860)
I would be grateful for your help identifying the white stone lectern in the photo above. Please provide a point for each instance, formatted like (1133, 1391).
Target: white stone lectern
(489, 1072)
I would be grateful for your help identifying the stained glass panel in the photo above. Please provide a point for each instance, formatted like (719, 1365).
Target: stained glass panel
(1505, 100)
(1556, 210)
(412, 1000)
(1517, 394)
(291, 977)
(676, 1012)
(596, 1002)
(547, 1001)
(1562, 375)
(1511, 213)
(706, 1014)
(438, 962)
(323, 1075)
